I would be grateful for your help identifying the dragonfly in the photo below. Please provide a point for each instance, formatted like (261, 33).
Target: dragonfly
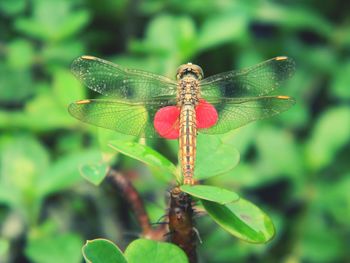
(148, 105)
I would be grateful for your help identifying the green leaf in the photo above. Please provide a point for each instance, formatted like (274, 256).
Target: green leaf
(298, 17)
(341, 80)
(145, 251)
(42, 113)
(146, 155)
(214, 157)
(105, 136)
(66, 87)
(62, 53)
(178, 37)
(102, 251)
(17, 85)
(319, 242)
(12, 7)
(242, 219)
(55, 249)
(20, 54)
(242, 138)
(53, 20)
(210, 193)
(337, 200)
(73, 23)
(7, 195)
(283, 158)
(64, 173)
(330, 134)
(222, 29)
(94, 173)
(4, 248)
(23, 160)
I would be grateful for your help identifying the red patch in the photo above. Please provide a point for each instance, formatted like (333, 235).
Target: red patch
(206, 115)
(166, 122)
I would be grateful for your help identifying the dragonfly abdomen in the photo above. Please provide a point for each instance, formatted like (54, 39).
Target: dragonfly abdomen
(187, 142)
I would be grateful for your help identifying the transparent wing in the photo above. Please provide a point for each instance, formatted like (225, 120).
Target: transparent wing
(234, 113)
(255, 81)
(124, 117)
(115, 81)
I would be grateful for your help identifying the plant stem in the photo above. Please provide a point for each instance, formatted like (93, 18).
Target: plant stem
(181, 223)
(132, 196)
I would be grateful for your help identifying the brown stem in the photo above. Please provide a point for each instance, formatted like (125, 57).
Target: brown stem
(181, 223)
(133, 198)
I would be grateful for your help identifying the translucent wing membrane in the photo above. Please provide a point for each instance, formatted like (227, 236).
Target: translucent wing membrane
(239, 97)
(255, 81)
(115, 81)
(235, 112)
(124, 117)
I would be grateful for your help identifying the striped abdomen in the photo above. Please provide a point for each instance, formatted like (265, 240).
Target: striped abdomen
(187, 142)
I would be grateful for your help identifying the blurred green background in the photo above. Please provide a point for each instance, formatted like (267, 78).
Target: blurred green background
(295, 166)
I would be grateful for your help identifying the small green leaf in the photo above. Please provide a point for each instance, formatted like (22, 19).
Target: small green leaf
(146, 155)
(331, 133)
(221, 29)
(54, 249)
(242, 219)
(73, 23)
(8, 197)
(340, 82)
(214, 157)
(105, 136)
(12, 7)
(283, 158)
(53, 20)
(62, 52)
(102, 251)
(24, 159)
(319, 242)
(293, 18)
(64, 173)
(211, 193)
(41, 113)
(20, 81)
(4, 247)
(337, 200)
(178, 36)
(94, 173)
(145, 251)
(20, 54)
(66, 87)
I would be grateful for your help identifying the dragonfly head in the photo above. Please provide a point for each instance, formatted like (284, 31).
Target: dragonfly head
(189, 68)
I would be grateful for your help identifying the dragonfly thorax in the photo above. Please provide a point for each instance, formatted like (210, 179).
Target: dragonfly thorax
(188, 91)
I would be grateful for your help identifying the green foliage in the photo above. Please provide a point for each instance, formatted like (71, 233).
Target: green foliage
(143, 250)
(50, 249)
(295, 165)
(146, 155)
(215, 31)
(211, 150)
(211, 193)
(102, 250)
(331, 132)
(52, 20)
(242, 219)
(94, 173)
(10, 8)
(140, 250)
